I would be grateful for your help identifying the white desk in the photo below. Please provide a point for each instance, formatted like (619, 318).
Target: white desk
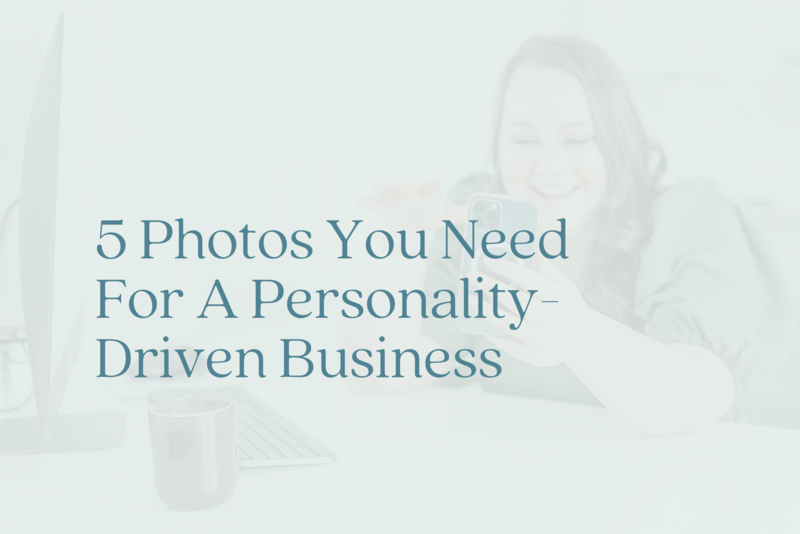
(436, 461)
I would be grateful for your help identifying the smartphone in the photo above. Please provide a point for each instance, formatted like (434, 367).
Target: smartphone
(502, 216)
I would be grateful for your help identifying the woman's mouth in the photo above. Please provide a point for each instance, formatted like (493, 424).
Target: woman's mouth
(554, 190)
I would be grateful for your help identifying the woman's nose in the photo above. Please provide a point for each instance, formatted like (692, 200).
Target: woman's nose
(550, 160)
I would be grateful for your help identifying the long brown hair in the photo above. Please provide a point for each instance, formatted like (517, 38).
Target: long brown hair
(632, 181)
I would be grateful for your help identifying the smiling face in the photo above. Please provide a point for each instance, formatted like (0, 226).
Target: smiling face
(546, 147)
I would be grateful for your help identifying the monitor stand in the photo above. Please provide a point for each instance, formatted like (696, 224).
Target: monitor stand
(73, 432)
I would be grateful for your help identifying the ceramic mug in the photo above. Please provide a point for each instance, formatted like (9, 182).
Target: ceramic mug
(194, 446)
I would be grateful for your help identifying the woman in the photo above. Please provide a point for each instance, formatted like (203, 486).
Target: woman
(669, 307)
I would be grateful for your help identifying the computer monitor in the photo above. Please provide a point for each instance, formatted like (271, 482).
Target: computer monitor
(49, 432)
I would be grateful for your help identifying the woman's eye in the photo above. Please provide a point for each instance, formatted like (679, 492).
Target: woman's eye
(578, 140)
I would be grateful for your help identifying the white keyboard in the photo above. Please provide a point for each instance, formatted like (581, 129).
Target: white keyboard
(265, 438)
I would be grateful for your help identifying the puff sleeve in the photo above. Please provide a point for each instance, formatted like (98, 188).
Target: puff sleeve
(707, 277)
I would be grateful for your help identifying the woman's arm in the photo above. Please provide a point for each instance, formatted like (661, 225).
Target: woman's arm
(660, 389)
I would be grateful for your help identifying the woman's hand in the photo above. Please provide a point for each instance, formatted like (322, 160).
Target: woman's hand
(413, 207)
(557, 322)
